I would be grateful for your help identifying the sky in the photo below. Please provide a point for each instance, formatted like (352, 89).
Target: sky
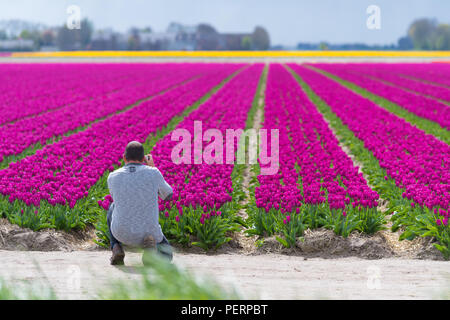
(287, 21)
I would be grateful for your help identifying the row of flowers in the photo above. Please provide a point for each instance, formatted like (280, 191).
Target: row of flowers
(432, 73)
(418, 104)
(63, 172)
(31, 89)
(201, 211)
(314, 171)
(393, 73)
(410, 169)
(419, 163)
(146, 81)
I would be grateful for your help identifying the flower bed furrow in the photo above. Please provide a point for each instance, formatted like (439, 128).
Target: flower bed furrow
(16, 137)
(419, 105)
(317, 184)
(417, 165)
(62, 173)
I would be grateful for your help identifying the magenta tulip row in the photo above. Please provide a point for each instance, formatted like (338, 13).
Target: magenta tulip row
(391, 73)
(16, 137)
(23, 82)
(63, 172)
(36, 89)
(325, 173)
(419, 163)
(204, 185)
(420, 105)
(434, 73)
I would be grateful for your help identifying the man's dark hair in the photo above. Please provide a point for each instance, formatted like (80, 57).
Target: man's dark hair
(134, 151)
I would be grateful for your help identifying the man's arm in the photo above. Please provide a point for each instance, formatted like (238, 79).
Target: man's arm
(165, 191)
(109, 186)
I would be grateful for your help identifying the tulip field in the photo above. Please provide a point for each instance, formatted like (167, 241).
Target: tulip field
(362, 147)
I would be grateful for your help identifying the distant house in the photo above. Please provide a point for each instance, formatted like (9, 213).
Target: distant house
(48, 48)
(156, 40)
(14, 27)
(107, 39)
(182, 37)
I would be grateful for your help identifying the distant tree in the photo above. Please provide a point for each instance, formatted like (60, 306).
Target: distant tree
(405, 43)
(260, 39)
(442, 38)
(84, 34)
(422, 33)
(232, 41)
(25, 34)
(207, 37)
(307, 46)
(31, 35)
(246, 43)
(66, 39)
(134, 42)
(427, 34)
(323, 46)
(47, 38)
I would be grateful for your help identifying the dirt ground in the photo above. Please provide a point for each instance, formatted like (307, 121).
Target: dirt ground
(322, 266)
(80, 274)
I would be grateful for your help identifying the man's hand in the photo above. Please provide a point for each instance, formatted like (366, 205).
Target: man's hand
(149, 160)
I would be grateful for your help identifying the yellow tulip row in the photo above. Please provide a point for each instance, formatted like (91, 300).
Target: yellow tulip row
(235, 54)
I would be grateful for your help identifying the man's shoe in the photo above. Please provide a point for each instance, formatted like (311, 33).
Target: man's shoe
(117, 255)
(149, 243)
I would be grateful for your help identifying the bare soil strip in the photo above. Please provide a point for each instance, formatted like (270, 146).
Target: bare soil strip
(81, 274)
(247, 244)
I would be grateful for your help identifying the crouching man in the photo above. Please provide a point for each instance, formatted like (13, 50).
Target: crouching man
(133, 215)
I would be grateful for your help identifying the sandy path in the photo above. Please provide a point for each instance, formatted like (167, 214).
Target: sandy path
(261, 276)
